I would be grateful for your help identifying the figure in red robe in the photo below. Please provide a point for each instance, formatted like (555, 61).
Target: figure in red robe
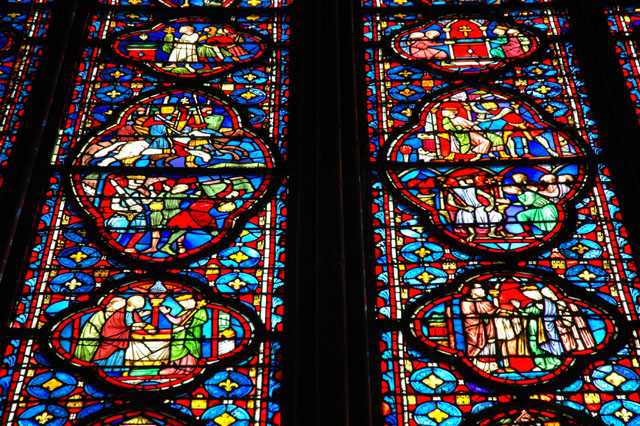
(116, 333)
(479, 329)
(425, 45)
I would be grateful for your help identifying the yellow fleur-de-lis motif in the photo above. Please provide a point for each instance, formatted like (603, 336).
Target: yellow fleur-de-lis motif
(43, 418)
(228, 385)
(239, 257)
(624, 414)
(78, 256)
(237, 284)
(73, 284)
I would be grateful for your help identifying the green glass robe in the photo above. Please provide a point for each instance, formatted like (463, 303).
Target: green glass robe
(189, 340)
(170, 207)
(535, 335)
(539, 211)
(168, 43)
(464, 137)
(90, 337)
(496, 51)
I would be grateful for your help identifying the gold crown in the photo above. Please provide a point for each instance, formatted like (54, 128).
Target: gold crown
(184, 297)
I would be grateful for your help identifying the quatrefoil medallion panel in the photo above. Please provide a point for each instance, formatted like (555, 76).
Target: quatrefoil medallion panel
(488, 170)
(173, 175)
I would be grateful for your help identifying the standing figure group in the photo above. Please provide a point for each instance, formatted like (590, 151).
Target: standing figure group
(508, 43)
(477, 129)
(150, 212)
(485, 205)
(530, 333)
(193, 47)
(141, 337)
(464, 43)
(152, 215)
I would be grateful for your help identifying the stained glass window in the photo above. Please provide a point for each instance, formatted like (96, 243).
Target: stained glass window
(200, 3)
(504, 283)
(23, 29)
(155, 272)
(406, 3)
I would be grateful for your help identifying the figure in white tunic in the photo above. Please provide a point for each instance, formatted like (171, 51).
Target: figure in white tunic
(471, 213)
(184, 51)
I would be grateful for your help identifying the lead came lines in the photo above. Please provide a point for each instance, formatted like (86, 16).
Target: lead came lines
(262, 302)
(541, 142)
(609, 246)
(264, 307)
(24, 373)
(48, 263)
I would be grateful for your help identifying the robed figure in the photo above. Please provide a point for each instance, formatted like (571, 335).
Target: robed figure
(186, 339)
